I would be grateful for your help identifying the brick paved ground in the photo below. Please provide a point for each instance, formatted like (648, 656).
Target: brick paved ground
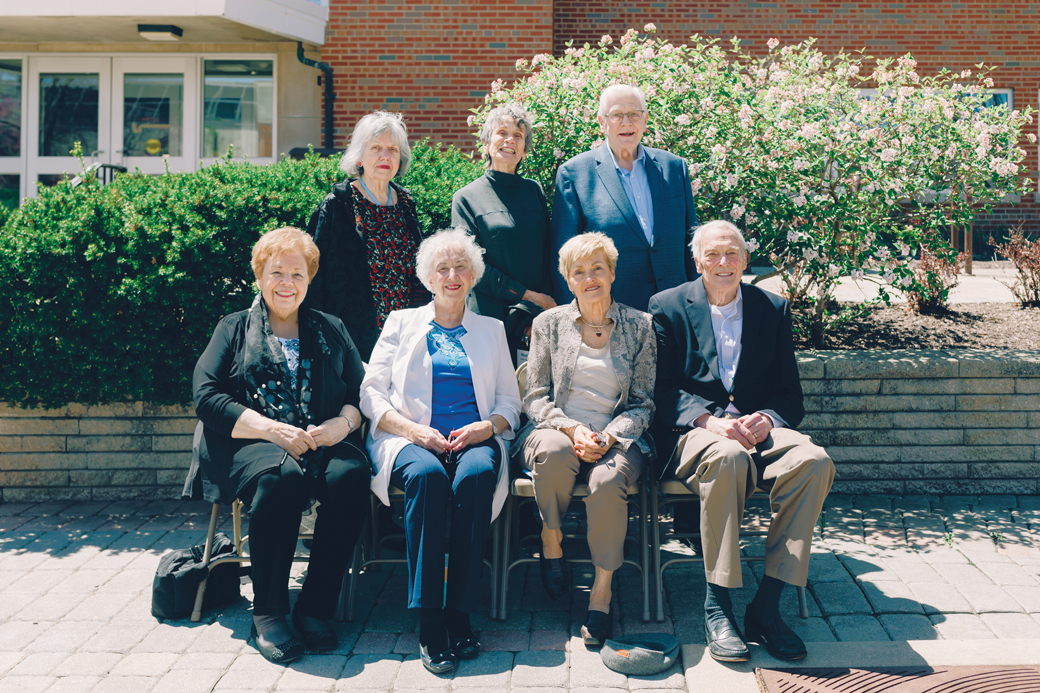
(75, 584)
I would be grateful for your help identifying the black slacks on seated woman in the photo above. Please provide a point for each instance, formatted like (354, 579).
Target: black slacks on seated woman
(276, 499)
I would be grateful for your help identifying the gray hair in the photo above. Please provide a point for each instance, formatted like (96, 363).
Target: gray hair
(522, 118)
(617, 89)
(372, 127)
(431, 250)
(718, 224)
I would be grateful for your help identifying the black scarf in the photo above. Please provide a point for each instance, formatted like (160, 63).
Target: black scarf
(266, 373)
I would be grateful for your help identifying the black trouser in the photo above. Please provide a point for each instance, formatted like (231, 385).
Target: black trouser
(274, 525)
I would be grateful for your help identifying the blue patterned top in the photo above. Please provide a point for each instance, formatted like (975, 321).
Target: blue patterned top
(454, 401)
(291, 349)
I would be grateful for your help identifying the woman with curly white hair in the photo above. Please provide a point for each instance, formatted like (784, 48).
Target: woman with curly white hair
(368, 233)
(441, 396)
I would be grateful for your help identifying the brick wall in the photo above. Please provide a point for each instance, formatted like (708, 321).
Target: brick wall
(955, 35)
(432, 61)
(109, 452)
(927, 422)
(913, 422)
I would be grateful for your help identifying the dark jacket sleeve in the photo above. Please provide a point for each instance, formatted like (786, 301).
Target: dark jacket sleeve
(494, 282)
(320, 228)
(213, 385)
(691, 223)
(675, 406)
(353, 371)
(567, 222)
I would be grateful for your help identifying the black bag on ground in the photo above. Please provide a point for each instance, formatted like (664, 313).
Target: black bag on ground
(180, 571)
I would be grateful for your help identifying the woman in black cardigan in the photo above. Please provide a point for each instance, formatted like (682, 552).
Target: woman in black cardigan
(368, 232)
(277, 392)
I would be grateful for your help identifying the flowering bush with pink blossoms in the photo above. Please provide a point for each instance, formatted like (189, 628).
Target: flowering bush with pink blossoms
(826, 180)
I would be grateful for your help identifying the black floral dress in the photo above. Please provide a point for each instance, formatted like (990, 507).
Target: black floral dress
(391, 256)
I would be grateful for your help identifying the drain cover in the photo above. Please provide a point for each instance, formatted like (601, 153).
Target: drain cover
(922, 679)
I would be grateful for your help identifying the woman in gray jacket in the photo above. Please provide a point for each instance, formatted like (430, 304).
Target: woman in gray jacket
(590, 399)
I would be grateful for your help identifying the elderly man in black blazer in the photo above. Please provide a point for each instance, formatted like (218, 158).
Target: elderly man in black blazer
(728, 399)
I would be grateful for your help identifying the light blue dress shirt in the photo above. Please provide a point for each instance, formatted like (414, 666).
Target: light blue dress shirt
(637, 187)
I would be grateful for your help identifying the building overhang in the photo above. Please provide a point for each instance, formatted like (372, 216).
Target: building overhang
(202, 21)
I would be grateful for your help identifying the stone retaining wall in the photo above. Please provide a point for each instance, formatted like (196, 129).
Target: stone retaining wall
(927, 422)
(897, 422)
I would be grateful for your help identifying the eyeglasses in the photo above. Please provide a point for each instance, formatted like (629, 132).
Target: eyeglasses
(632, 116)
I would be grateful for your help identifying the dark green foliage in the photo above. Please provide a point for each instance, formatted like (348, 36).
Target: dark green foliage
(112, 292)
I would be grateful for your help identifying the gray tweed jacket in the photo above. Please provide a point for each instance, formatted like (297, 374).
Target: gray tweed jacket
(555, 340)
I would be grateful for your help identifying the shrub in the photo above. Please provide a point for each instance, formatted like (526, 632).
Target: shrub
(1025, 255)
(433, 177)
(935, 273)
(824, 182)
(113, 291)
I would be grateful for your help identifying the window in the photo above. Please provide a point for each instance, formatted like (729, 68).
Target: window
(153, 110)
(68, 113)
(9, 190)
(238, 108)
(10, 107)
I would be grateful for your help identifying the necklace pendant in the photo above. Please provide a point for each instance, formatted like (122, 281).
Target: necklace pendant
(599, 333)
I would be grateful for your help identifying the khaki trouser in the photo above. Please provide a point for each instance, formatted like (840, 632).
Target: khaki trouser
(550, 456)
(798, 475)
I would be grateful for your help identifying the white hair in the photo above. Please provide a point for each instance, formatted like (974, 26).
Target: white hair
(617, 90)
(372, 127)
(433, 248)
(720, 225)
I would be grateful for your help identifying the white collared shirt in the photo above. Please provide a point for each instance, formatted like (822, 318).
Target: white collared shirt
(727, 322)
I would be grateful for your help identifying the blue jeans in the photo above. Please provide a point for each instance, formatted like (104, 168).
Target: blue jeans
(427, 491)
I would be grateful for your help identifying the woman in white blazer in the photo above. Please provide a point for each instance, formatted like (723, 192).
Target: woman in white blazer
(441, 396)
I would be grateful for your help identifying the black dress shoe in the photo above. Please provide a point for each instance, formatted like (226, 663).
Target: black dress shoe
(777, 637)
(556, 577)
(724, 642)
(289, 651)
(597, 629)
(466, 648)
(315, 640)
(443, 663)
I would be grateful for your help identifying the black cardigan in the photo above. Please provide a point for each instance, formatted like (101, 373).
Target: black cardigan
(342, 286)
(220, 393)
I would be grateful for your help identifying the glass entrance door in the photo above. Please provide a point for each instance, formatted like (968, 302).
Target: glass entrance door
(69, 101)
(153, 105)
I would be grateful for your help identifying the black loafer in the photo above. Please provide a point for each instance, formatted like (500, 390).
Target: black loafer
(725, 643)
(777, 637)
(466, 648)
(315, 640)
(443, 663)
(597, 629)
(289, 651)
(556, 577)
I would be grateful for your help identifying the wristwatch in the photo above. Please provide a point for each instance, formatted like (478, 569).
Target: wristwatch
(494, 428)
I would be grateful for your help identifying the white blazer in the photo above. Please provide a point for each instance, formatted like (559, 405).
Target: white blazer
(399, 377)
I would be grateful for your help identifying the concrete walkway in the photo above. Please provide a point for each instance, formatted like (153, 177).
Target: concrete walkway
(988, 283)
(892, 580)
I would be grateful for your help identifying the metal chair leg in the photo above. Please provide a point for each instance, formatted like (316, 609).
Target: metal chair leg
(506, 535)
(655, 539)
(644, 550)
(236, 522)
(496, 564)
(803, 605)
(196, 613)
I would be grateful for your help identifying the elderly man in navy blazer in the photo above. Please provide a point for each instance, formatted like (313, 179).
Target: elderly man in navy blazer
(640, 197)
(728, 400)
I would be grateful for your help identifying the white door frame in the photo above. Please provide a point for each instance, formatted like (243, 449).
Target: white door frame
(36, 164)
(15, 165)
(188, 69)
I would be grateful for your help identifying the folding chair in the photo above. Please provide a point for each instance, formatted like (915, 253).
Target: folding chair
(672, 492)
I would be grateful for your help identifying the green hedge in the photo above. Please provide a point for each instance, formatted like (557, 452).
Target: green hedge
(112, 291)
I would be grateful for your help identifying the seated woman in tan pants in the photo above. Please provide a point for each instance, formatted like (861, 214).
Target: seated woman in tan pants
(590, 390)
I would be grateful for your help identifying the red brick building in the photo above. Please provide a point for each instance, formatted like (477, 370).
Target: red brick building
(435, 61)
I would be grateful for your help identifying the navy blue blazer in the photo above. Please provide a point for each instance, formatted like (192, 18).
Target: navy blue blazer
(688, 380)
(589, 197)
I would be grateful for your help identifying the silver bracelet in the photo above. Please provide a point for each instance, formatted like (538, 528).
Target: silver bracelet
(349, 423)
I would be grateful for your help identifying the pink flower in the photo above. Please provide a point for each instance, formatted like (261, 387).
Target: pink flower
(888, 155)
(558, 153)
(682, 119)
(649, 28)
(752, 244)
(606, 40)
(772, 43)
